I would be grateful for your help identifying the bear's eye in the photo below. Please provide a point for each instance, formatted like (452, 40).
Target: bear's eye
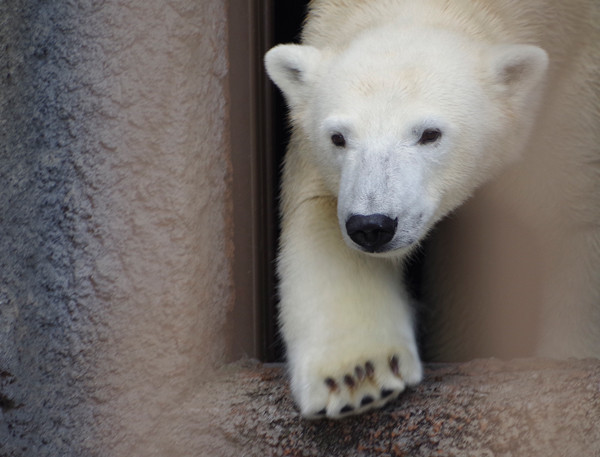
(338, 140)
(430, 136)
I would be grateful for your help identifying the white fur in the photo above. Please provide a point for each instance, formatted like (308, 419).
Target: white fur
(390, 71)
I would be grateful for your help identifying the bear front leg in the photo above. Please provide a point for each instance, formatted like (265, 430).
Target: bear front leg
(344, 316)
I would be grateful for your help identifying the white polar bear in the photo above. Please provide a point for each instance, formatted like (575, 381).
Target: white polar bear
(401, 109)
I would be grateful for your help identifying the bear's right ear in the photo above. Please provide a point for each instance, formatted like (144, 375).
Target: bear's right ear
(292, 67)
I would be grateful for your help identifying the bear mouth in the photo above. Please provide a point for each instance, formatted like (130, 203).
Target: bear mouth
(394, 248)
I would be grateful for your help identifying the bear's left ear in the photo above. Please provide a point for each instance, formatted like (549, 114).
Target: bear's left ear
(291, 67)
(518, 69)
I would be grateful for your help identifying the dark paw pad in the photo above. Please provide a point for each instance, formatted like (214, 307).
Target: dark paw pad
(386, 392)
(367, 400)
(347, 409)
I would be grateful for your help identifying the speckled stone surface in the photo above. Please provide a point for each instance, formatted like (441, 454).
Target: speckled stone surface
(115, 221)
(480, 408)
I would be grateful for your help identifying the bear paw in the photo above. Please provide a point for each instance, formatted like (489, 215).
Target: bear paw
(356, 388)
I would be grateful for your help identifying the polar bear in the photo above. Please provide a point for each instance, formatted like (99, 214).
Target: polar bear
(402, 111)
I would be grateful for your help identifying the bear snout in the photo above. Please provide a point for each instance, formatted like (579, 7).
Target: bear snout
(371, 232)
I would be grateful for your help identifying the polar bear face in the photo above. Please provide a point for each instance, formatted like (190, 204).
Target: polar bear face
(405, 124)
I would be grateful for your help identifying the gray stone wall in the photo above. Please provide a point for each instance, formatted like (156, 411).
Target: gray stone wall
(115, 248)
(46, 304)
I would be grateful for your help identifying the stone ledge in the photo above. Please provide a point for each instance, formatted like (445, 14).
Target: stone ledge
(481, 408)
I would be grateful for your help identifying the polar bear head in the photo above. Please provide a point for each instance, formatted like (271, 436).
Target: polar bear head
(404, 124)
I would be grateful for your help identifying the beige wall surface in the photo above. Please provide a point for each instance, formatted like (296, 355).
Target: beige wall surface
(115, 224)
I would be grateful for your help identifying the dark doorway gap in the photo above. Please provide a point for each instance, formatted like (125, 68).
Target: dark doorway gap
(287, 18)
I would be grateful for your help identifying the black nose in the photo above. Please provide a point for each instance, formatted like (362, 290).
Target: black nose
(371, 232)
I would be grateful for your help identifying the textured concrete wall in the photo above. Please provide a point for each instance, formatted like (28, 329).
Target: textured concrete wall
(115, 278)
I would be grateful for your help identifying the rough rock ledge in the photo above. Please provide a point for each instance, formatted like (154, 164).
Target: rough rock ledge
(486, 407)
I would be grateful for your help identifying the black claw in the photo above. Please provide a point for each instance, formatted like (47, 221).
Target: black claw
(367, 400)
(322, 412)
(394, 365)
(349, 381)
(386, 392)
(370, 369)
(360, 373)
(330, 382)
(347, 409)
